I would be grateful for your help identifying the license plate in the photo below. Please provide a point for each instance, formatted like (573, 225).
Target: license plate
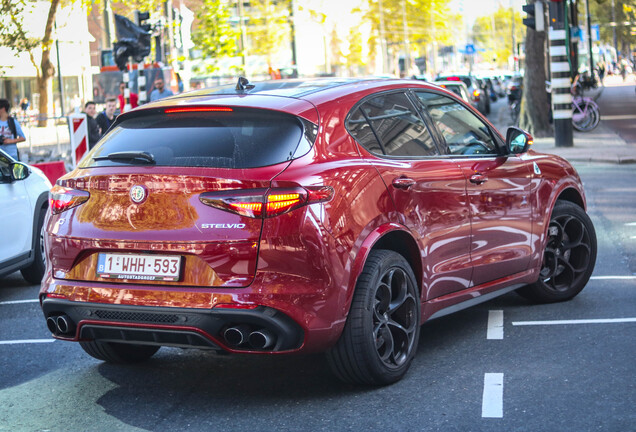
(139, 266)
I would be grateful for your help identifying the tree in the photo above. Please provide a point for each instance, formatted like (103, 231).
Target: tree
(427, 21)
(353, 59)
(494, 34)
(623, 11)
(214, 35)
(14, 36)
(268, 28)
(534, 115)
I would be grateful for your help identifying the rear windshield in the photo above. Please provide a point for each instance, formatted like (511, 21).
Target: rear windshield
(237, 139)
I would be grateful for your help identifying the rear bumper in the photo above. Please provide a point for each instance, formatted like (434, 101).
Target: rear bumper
(180, 327)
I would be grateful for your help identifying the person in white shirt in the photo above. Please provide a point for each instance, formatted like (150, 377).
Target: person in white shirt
(10, 131)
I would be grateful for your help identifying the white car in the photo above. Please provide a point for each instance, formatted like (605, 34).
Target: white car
(24, 193)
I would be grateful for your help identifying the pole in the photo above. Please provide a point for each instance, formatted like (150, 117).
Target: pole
(614, 28)
(239, 5)
(589, 36)
(407, 54)
(383, 45)
(292, 31)
(59, 69)
(560, 76)
(514, 41)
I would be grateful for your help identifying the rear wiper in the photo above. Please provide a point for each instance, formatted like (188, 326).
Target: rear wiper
(130, 156)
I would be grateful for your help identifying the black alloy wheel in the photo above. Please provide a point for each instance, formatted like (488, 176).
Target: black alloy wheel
(568, 258)
(380, 337)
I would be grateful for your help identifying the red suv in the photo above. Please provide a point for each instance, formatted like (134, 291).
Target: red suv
(333, 215)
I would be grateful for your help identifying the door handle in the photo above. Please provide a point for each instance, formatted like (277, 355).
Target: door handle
(478, 178)
(403, 182)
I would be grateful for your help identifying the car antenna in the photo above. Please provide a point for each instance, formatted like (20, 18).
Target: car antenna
(244, 84)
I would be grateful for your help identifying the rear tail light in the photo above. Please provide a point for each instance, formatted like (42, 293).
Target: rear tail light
(262, 203)
(62, 198)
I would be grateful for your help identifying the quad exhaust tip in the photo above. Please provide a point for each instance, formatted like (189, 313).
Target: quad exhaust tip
(60, 325)
(242, 334)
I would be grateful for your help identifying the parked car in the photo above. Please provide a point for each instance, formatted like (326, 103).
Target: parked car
(457, 87)
(24, 192)
(514, 88)
(479, 96)
(305, 216)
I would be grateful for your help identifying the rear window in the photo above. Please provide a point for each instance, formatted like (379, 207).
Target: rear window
(237, 139)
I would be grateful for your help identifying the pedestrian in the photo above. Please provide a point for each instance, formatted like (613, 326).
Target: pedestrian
(107, 117)
(24, 105)
(601, 70)
(93, 128)
(10, 131)
(133, 99)
(160, 90)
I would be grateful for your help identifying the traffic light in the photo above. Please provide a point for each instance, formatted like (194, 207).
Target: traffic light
(122, 50)
(141, 19)
(534, 18)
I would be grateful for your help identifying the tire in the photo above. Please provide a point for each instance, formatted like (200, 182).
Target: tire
(112, 352)
(35, 271)
(380, 337)
(590, 121)
(568, 258)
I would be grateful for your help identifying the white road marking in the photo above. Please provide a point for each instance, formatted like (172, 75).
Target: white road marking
(582, 321)
(613, 277)
(630, 224)
(495, 324)
(26, 341)
(492, 401)
(19, 301)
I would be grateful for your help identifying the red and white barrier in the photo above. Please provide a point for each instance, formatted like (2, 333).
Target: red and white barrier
(79, 136)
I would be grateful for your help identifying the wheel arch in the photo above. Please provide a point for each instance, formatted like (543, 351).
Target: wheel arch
(572, 195)
(390, 236)
(41, 205)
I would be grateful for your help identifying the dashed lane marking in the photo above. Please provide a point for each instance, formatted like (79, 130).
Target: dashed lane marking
(495, 324)
(492, 401)
(582, 321)
(26, 341)
(613, 278)
(19, 301)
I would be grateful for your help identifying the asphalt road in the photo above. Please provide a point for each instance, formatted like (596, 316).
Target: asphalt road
(467, 376)
(618, 106)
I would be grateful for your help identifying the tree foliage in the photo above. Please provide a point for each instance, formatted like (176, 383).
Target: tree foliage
(427, 21)
(13, 34)
(268, 27)
(354, 60)
(624, 11)
(214, 35)
(494, 34)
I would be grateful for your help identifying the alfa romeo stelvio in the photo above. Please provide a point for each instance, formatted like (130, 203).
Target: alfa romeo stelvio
(305, 216)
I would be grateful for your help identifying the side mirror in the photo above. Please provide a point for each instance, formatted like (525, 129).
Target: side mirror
(19, 171)
(517, 140)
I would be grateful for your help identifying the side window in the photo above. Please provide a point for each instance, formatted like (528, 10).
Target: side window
(5, 169)
(396, 124)
(465, 133)
(361, 130)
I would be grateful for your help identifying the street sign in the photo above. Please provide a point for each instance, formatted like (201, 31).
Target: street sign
(596, 33)
(79, 136)
(470, 49)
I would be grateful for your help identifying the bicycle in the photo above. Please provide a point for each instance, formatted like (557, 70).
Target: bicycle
(586, 114)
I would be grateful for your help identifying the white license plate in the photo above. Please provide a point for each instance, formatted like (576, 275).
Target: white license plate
(139, 266)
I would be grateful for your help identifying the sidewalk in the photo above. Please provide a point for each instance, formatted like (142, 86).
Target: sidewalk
(600, 145)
